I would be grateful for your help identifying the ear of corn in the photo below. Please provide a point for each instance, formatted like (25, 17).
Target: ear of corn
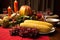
(38, 22)
(41, 28)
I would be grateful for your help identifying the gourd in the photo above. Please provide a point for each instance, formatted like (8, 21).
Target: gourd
(25, 10)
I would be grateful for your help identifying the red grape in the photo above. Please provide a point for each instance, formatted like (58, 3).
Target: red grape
(24, 31)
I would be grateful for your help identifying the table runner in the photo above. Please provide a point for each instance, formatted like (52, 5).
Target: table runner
(5, 35)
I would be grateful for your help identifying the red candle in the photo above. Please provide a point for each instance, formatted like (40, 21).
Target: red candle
(15, 6)
(9, 11)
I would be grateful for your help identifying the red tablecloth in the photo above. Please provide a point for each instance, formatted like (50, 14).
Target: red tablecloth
(4, 35)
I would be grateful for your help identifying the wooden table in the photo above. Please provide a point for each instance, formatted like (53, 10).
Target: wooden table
(56, 34)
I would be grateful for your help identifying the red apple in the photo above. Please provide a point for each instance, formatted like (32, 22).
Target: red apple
(39, 15)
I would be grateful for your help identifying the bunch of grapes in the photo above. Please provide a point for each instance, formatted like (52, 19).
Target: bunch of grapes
(14, 31)
(24, 32)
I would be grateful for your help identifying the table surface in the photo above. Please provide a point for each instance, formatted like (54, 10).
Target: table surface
(55, 35)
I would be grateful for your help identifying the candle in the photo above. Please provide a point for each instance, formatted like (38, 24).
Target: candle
(9, 11)
(15, 6)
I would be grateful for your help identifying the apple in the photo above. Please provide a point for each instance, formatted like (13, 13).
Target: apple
(39, 15)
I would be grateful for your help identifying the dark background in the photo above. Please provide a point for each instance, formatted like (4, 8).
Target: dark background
(57, 7)
(34, 5)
